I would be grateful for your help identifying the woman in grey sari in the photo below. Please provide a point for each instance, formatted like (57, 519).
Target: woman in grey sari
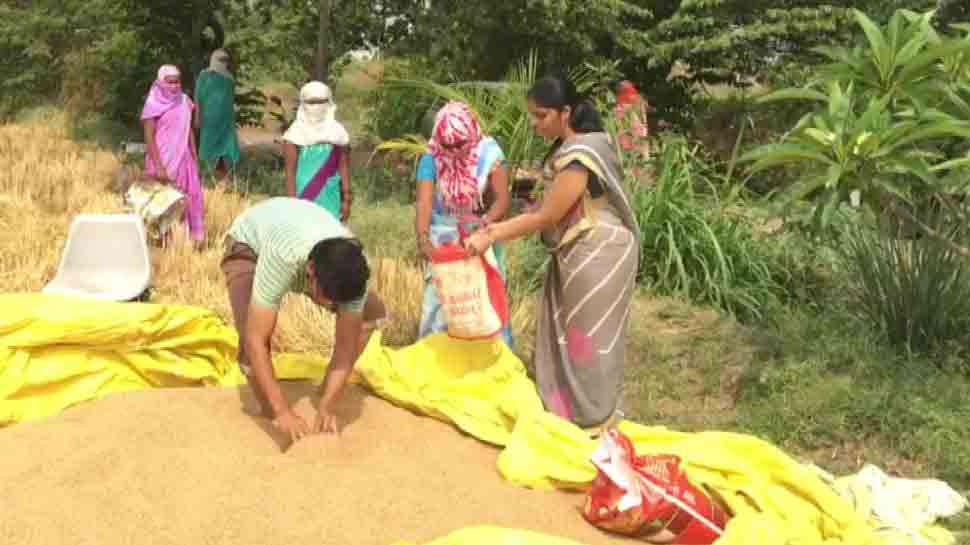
(586, 222)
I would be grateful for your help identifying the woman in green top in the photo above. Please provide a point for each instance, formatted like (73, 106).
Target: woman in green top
(317, 153)
(215, 115)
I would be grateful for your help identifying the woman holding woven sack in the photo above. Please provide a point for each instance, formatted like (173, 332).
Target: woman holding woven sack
(170, 152)
(586, 223)
(462, 175)
(317, 153)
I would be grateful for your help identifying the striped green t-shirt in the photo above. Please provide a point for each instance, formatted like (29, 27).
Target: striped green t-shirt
(282, 231)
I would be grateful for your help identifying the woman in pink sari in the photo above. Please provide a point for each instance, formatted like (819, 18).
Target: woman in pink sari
(631, 116)
(170, 152)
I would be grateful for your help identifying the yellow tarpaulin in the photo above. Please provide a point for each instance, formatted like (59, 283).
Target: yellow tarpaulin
(56, 352)
(482, 387)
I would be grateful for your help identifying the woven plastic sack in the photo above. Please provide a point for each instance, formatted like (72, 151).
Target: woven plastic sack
(159, 205)
(649, 497)
(471, 291)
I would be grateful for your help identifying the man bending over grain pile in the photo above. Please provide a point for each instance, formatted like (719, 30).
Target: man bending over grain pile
(284, 245)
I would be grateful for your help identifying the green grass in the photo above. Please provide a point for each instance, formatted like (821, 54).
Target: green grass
(829, 380)
(691, 248)
(386, 228)
(683, 364)
(918, 291)
(818, 382)
(380, 181)
(259, 171)
(47, 113)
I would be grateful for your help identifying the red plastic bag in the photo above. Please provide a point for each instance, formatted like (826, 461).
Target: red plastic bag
(649, 497)
(470, 289)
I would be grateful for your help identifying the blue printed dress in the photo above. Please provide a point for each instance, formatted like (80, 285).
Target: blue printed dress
(444, 229)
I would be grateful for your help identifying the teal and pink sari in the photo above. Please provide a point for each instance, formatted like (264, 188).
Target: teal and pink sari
(318, 175)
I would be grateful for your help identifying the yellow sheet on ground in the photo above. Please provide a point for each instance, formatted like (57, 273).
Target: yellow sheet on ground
(480, 386)
(58, 351)
(483, 388)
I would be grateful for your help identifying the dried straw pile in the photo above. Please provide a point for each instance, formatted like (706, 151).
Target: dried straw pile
(48, 179)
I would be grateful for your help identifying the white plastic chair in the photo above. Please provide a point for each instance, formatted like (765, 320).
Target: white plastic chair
(106, 257)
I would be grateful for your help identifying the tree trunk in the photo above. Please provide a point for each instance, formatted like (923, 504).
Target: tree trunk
(203, 17)
(200, 17)
(218, 31)
(321, 69)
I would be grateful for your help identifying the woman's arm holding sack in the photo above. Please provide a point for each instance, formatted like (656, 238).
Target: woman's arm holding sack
(499, 179)
(195, 151)
(151, 147)
(425, 199)
(422, 221)
(564, 193)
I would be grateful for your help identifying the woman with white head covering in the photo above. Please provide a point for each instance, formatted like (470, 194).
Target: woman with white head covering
(215, 92)
(317, 153)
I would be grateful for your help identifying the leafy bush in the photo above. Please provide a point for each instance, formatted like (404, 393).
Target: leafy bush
(270, 45)
(36, 38)
(380, 182)
(395, 111)
(889, 130)
(917, 292)
(499, 105)
(691, 248)
(111, 78)
(889, 123)
(730, 118)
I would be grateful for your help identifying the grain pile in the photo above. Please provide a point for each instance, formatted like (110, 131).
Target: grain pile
(188, 466)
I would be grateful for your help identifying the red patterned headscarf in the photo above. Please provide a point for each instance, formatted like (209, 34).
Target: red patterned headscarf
(454, 148)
